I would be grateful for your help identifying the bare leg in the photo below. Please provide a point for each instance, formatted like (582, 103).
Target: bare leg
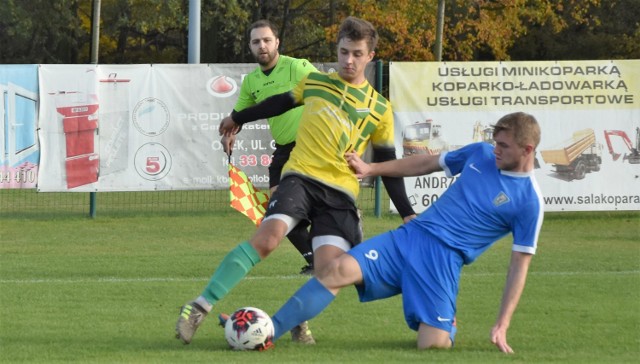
(430, 337)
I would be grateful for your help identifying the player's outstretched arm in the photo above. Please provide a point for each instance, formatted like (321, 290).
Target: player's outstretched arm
(415, 165)
(514, 286)
(394, 185)
(269, 107)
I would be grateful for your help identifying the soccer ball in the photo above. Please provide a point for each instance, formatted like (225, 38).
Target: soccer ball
(249, 328)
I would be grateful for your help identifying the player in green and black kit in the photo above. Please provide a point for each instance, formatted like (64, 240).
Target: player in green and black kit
(275, 74)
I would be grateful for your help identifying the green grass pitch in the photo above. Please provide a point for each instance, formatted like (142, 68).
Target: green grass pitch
(108, 290)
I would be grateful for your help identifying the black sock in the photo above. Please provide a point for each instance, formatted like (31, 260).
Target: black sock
(300, 238)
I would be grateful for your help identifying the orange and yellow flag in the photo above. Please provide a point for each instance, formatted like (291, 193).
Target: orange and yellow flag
(245, 197)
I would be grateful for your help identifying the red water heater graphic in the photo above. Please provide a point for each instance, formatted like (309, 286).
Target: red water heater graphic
(79, 113)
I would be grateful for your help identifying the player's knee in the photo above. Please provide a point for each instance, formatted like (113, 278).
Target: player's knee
(337, 273)
(430, 337)
(342, 268)
(265, 246)
(268, 236)
(443, 344)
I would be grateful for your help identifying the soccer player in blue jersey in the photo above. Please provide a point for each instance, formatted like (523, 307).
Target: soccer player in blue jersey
(495, 194)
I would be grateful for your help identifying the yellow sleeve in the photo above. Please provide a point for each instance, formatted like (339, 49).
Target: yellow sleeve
(383, 136)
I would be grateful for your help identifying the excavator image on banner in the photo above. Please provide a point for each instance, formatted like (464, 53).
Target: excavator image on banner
(634, 153)
(483, 133)
(422, 137)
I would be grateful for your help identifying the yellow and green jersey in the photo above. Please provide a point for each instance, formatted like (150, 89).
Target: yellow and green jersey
(338, 117)
(257, 86)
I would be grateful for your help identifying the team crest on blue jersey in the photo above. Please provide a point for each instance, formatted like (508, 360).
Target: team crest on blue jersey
(501, 199)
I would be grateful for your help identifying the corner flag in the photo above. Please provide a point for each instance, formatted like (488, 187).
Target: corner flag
(244, 197)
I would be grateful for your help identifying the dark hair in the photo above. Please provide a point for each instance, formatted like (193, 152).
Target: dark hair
(359, 29)
(264, 23)
(524, 126)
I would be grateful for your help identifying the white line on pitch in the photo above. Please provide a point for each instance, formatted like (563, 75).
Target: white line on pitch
(300, 277)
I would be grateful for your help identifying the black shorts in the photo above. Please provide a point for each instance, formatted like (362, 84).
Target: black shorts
(280, 157)
(330, 211)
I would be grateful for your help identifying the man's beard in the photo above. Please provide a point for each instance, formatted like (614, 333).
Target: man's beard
(266, 58)
(264, 61)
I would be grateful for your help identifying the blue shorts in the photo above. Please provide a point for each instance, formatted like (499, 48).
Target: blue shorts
(420, 267)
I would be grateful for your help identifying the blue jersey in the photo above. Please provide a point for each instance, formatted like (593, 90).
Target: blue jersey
(487, 202)
(422, 259)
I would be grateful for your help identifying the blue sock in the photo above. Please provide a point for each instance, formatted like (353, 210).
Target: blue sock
(305, 304)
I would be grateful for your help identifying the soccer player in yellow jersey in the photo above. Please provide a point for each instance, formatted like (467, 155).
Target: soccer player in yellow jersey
(342, 113)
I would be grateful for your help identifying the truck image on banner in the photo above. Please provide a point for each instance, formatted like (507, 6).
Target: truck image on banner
(576, 156)
(581, 107)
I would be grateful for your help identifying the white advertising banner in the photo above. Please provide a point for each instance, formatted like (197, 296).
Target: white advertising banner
(589, 112)
(143, 128)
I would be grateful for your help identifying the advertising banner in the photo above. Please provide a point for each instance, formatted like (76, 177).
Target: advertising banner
(19, 148)
(589, 113)
(144, 128)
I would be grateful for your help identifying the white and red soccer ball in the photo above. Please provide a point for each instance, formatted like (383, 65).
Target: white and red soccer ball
(249, 328)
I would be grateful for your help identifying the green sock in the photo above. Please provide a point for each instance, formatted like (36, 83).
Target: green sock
(235, 266)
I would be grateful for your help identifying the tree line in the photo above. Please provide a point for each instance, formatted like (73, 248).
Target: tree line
(156, 31)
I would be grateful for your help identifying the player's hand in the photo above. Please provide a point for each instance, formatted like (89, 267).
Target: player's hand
(499, 339)
(228, 127)
(227, 143)
(408, 218)
(360, 168)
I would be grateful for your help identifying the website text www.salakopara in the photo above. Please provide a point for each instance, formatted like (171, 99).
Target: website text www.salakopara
(598, 199)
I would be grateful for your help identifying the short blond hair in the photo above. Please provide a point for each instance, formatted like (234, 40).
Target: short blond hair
(525, 128)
